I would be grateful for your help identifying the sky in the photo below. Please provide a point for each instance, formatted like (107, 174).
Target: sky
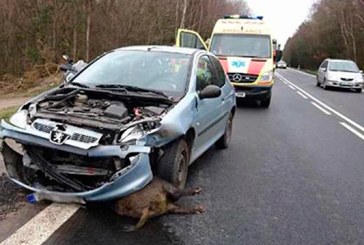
(283, 16)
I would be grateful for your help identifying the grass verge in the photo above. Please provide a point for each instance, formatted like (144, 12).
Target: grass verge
(6, 113)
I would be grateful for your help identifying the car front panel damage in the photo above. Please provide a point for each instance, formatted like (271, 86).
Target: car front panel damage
(79, 145)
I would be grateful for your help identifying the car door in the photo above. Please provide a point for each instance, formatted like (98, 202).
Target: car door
(222, 81)
(189, 39)
(210, 111)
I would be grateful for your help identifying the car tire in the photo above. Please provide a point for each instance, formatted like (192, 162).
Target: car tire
(173, 165)
(358, 90)
(318, 82)
(324, 86)
(224, 141)
(265, 103)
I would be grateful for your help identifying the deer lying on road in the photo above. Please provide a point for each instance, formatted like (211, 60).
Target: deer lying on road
(156, 199)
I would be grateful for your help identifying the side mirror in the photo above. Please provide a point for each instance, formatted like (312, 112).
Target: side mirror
(361, 72)
(210, 91)
(323, 69)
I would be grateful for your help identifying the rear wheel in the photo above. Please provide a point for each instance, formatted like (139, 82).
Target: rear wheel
(224, 141)
(173, 166)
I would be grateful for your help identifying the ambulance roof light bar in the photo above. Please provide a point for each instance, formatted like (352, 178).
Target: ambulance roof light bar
(236, 16)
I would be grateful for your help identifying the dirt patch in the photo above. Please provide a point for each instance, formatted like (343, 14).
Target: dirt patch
(12, 102)
(12, 197)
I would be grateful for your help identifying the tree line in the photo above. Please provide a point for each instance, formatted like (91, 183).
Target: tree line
(335, 29)
(36, 32)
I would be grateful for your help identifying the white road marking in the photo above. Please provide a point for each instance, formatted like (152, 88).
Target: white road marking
(302, 95)
(292, 87)
(43, 225)
(328, 108)
(304, 73)
(361, 136)
(320, 108)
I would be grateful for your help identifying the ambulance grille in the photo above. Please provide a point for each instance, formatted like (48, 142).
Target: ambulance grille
(242, 78)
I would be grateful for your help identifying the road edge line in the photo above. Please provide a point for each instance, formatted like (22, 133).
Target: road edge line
(37, 230)
(302, 72)
(302, 95)
(351, 129)
(355, 124)
(320, 108)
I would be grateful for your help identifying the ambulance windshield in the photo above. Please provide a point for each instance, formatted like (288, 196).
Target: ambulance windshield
(242, 45)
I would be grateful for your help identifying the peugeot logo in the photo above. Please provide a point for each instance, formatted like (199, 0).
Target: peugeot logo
(58, 137)
(237, 78)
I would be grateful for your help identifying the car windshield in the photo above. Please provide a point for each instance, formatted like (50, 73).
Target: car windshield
(347, 66)
(150, 70)
(256, 46)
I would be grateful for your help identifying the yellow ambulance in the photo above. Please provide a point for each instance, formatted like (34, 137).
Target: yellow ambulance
(246, 50)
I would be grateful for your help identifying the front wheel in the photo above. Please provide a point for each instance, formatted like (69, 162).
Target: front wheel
(224, 141)
(265, 103)
(173, 166)
(358, 90)
(317, 82)
(324, 86)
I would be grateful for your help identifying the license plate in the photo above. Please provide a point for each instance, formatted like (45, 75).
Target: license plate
(240, 94)
(345, 84)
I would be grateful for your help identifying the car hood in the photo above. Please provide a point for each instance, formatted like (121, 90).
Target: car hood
(253, 66)
(339, 75)
(85, 118)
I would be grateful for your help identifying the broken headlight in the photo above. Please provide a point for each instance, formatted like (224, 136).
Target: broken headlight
(132, 133)
(19, 119)
(137, 131)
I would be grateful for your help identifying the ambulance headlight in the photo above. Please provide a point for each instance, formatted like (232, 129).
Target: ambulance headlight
(266, 76)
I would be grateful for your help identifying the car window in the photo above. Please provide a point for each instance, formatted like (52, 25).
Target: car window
(345, 66)
(220, 73)
(163, 71)
(204, 75)
(324, 64)
(190, 40)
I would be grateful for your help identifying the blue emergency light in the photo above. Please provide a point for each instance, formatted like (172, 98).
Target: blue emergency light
(243, 17)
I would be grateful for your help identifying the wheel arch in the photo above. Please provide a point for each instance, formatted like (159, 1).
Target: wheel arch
(190, 137)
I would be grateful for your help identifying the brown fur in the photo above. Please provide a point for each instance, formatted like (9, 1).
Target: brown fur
(156, 199)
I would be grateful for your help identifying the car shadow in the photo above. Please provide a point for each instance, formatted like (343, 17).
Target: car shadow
(249, 104)
(98, 224)
(345, 90)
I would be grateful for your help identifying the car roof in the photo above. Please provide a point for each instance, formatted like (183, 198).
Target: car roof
(340, 60)
(160, 48)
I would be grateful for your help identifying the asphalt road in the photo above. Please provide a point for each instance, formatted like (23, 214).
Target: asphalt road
(294, 174)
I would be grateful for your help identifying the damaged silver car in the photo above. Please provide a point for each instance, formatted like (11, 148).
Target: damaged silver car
(131, 113)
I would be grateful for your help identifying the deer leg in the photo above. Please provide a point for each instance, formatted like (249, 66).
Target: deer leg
(176, 209)
(146, 214)
(176, 193)
(190, 191)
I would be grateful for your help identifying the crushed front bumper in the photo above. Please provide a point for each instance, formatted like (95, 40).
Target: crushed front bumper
(124, 182)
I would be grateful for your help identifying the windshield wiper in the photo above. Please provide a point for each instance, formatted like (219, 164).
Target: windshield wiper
(128, 88)
(82, 85)
(341, 70)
